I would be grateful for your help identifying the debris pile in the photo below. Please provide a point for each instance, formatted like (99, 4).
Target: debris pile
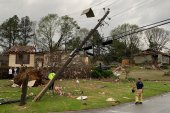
(77, 71)
(33, 74)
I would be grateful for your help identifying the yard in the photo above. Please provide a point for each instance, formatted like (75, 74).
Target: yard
(97, 92)
(148, 74)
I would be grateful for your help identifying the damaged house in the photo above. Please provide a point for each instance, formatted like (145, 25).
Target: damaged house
(21, 56)
(151, 56)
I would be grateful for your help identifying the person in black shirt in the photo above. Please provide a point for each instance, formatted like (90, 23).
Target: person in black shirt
(139, 91)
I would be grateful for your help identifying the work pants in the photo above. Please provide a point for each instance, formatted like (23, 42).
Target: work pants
(138, 96)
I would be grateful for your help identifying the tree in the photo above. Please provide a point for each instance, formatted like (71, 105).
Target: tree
(47, 29)
(83, 33)
(77, 38)
(9, 32)
(96, 41)
(73, 43)
(131, 42)
(68, 29)
(26, 29)
(157, 38)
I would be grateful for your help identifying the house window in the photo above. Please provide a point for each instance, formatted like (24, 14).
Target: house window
(22, 58)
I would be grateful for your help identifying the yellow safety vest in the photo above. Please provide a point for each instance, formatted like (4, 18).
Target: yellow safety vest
(51, 76)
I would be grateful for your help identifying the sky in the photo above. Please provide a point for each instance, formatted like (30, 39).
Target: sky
(140, 12)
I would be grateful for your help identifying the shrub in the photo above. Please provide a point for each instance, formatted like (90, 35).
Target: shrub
(164, 66)
(95, 74)
(106, 73)
(98, 73)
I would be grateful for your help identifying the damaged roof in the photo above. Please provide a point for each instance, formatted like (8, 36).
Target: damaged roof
(150, 52)
(21, 49)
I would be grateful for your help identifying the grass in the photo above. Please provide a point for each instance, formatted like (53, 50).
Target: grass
(146, 74)
(97, 92)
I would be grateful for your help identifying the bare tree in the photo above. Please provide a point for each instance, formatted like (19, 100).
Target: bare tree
(47, 28)
(68, 29)
(157, 38)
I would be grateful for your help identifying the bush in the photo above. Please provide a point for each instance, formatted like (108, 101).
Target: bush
(164, 66)
(106, 73)
(95, 74)
(98, 73)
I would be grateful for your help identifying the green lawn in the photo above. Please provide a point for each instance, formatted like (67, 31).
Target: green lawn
(97, 92)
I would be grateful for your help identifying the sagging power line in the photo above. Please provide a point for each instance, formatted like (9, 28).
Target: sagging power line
(130, 32)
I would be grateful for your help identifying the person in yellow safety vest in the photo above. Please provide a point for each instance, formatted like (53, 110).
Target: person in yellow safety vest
(50, 77)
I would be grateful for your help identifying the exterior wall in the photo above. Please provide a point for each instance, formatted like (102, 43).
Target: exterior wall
(165, 59)
(12, 59)
(32, 60)
(85, 60)
(142, 59)
(159, 58)
(39, 60)
(62, 59)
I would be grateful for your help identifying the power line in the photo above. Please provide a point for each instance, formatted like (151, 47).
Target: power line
(139, 4)
(145, 26)
(118, 36)
(113, 2)
(100, 3)
(140, 30)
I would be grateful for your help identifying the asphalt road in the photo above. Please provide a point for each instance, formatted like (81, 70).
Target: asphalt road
(158, 104)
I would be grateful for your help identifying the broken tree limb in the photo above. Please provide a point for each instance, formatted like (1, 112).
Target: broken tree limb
(6, 101)
(9, 101)
(72, 55)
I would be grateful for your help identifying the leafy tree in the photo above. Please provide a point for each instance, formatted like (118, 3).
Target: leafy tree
(73, 43)
(47, 29)
(26, 31)
(116, 52)
(131, 42)
(157, 38)
(9, 32)
(96, 41)
(77, 38)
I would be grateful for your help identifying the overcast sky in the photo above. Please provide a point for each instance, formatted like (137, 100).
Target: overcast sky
(140, 12)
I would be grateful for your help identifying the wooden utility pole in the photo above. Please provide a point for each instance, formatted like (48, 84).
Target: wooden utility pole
(72, 55)
(24, 90)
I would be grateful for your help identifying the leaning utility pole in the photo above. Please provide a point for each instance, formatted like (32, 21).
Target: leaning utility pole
(72, 55)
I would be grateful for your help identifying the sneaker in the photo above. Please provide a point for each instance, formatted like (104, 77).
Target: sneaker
(140, 102)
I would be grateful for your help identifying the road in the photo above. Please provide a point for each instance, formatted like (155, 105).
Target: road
(158, 104)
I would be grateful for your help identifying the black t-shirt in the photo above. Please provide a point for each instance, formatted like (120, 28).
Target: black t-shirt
(139, 85)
